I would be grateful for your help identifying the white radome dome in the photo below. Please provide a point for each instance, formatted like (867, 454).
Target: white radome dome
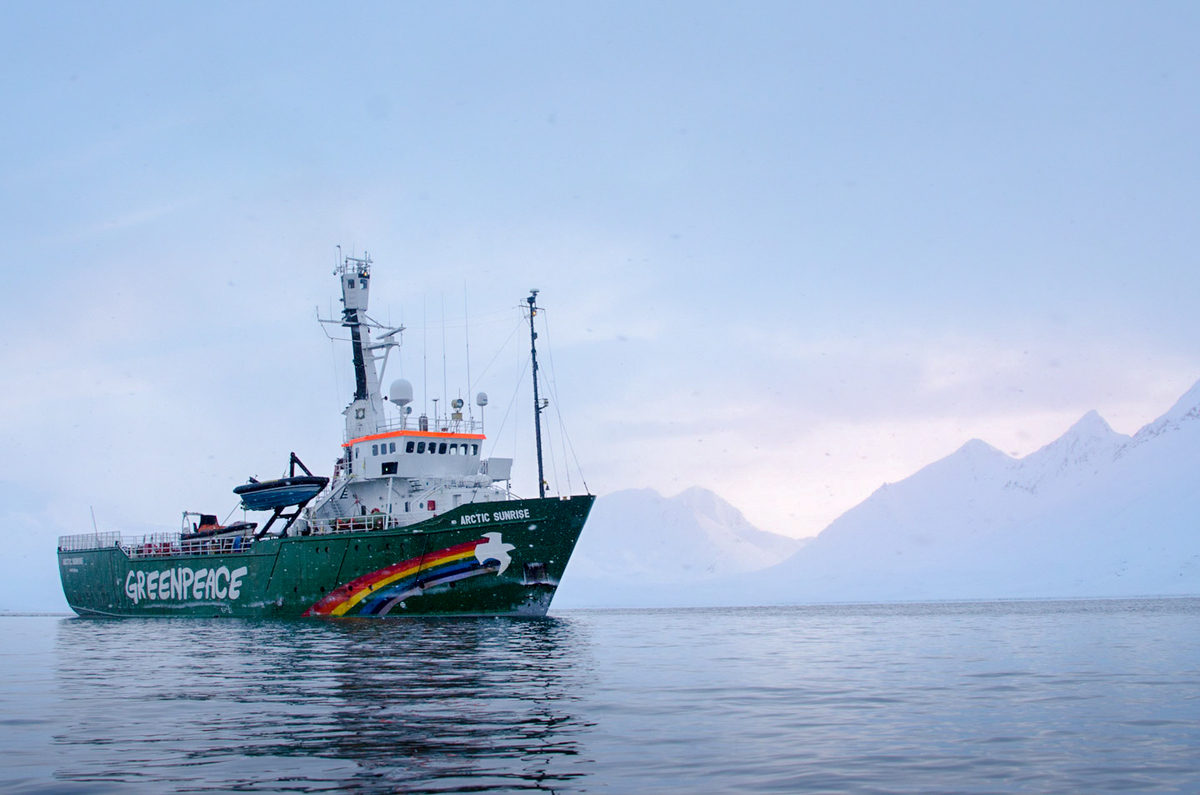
(400, 392)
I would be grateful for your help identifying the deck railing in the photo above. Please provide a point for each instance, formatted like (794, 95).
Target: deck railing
(442, 424)
(166, 545)
(155, 545)
(83, 541)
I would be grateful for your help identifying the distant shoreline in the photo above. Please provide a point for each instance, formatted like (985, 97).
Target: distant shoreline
(13, 614)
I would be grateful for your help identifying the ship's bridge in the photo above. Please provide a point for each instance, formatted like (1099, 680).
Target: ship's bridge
(412, 453)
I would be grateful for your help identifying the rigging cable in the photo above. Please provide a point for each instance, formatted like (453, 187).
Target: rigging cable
(333, 357)
(516, 327)
(424, 359)
(553, 384)
(549, 391)
(445, 391)
(508, 410)
(517, 417)
(467, 334)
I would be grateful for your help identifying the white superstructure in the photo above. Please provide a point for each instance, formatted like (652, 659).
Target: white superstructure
(395, 469)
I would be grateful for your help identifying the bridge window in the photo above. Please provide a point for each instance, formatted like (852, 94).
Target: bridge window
(453, 449)
(374, 449)
(409, 447)
(474, 449)
(442, 448)
(391, 447)
(420, 447)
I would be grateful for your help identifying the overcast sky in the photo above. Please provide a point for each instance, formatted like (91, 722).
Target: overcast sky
(789, 251)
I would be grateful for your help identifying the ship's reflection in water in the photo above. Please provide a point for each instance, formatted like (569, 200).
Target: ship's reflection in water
(359, 706)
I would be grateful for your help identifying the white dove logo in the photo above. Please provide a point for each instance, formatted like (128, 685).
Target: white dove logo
(494, 549)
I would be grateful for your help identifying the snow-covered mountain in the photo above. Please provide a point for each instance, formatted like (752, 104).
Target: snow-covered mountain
(1094, 513)
(642, 548)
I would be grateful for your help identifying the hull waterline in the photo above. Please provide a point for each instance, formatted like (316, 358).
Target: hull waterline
(495, 559)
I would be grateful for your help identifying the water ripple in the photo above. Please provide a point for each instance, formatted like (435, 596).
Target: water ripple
(942, 698)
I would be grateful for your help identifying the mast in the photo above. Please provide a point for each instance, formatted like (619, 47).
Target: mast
(366, 409)
(537, 403)
(351, 321)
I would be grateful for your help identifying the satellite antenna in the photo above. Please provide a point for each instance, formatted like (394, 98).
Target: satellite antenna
(400, 393)
(481, 400)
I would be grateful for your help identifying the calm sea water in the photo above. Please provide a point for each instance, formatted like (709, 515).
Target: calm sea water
(1094, 696)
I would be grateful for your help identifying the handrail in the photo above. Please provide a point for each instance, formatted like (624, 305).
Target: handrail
(84, 541)
(156, 545)
(189, 548)
(442, 425)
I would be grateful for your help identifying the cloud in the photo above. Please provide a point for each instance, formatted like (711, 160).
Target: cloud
(135, 218)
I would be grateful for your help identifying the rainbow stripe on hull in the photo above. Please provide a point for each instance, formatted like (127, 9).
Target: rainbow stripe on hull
(376, 593)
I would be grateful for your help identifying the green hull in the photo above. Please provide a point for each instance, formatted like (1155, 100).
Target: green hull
(495, 558)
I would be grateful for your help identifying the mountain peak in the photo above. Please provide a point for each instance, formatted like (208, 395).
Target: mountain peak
(637, 536)
(1078, 517)
(1187, 408)
(1091, 440)
(707, 503)
(697, 495)
(1090, 424)
(977, 450)
(970, 463)
(1089, 433)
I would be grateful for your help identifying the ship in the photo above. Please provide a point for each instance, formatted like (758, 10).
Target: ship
(413, 521)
